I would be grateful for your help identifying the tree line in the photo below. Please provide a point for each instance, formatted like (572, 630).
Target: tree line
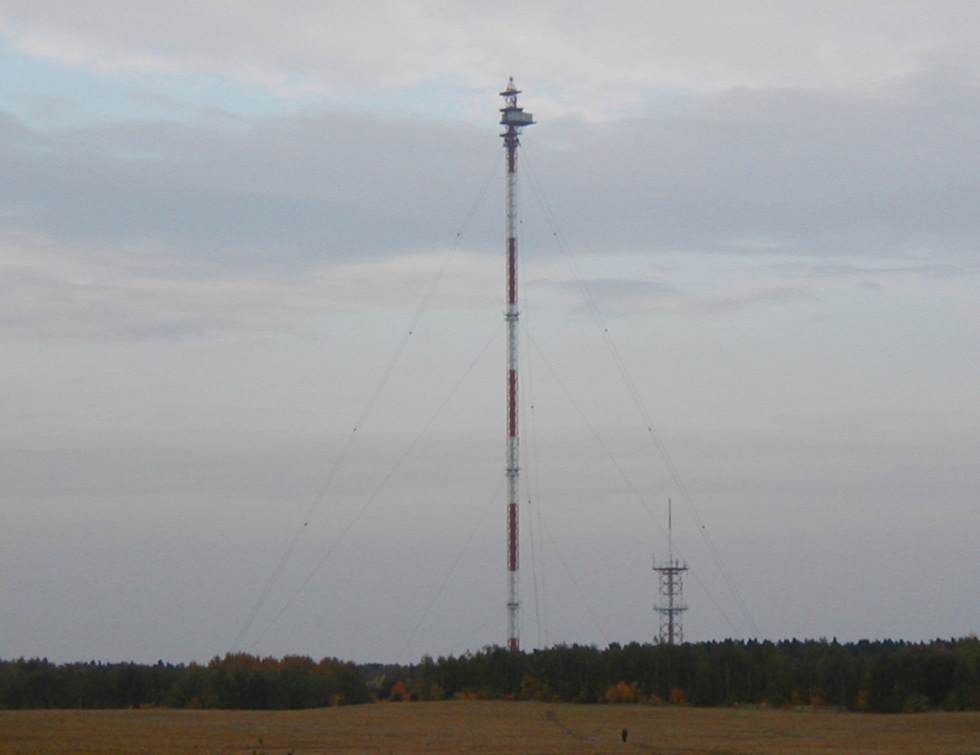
(879, 676)
(237, 681)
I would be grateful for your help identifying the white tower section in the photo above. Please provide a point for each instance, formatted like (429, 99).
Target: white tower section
(513, 118)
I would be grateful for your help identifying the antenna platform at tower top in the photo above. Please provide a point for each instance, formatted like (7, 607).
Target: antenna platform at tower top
(511, 115)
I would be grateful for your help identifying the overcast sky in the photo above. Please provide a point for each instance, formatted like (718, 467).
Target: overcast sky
(251, 311)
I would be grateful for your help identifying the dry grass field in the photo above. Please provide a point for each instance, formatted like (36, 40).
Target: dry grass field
(487, 727)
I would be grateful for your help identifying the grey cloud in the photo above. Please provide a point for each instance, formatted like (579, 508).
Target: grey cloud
(871, 176)
(255, 206)
(875, 176)
(871, 273)
(49, 291)
(613, 295)
(612, 53)
(300, 191)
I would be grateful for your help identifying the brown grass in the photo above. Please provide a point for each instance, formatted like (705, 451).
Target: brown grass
(487, 727)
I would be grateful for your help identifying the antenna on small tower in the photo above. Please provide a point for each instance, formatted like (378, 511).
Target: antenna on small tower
(513, 118)
(671, 589)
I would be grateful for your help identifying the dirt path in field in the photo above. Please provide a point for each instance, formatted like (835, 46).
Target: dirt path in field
(552, 716)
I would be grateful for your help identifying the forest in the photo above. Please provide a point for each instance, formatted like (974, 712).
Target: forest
(237, 681)
(874, 676)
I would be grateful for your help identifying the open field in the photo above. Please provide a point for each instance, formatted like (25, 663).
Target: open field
(487, 727)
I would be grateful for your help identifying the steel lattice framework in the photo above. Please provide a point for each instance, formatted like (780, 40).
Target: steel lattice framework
(672, 592)
(513, 118)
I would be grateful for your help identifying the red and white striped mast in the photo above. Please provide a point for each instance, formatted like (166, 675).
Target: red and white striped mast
(513, 118)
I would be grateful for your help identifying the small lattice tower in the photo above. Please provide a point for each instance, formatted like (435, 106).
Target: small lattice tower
(672, 605)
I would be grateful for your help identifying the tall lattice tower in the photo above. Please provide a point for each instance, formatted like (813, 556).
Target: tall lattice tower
(513, 118)
(671, 592)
